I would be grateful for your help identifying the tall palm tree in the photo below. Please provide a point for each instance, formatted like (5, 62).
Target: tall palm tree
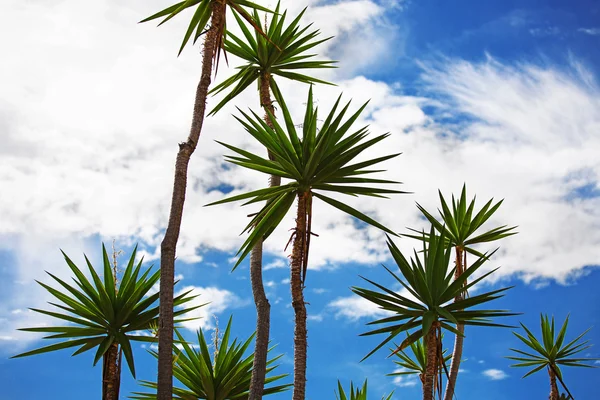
(460, 227)
(215, 12)
(356, 393)
(551, 353)
(104, 315)
(225, 375)
(282, 53)
(318, 162)
(430, 283)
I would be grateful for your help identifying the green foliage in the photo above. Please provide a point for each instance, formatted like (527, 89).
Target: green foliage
(417, 363)
(458, 224)
(224, 376)
(201, 16)
(316, 163)
(551, 352)
(101, 313)
(430, 282)
(356, 393)
(282, 51)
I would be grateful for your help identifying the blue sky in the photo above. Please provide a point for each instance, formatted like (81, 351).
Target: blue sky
(502, 95)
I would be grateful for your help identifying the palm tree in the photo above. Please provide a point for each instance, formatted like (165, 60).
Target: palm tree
(356, 393)
(224, 376)
(104, 315)
(460, 227)
(215, 11)
(318, 162)
(551, 353)
(282, 53)
(417, 363)
(430, 284)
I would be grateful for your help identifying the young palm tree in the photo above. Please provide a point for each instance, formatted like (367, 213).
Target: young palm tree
(430, 283)
(215, 12)
(104, 316)
(318, 162)
(282, 53)
(551, 353)
(460, 228)
(356, 393)
(417, 363)
(224, 376)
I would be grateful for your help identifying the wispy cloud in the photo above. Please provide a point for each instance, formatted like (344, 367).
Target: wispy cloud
(495, 374)
(590, 31)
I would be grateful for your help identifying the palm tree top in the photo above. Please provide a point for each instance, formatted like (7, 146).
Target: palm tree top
(431, 286)
(282, 51)
(461, 222)
(224, 375)
(318, 161)
(101, 312)
(551, 352)
(356, 393)
(201, 17)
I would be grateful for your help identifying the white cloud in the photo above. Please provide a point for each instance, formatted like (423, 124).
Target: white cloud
(405, 380)
(315, 317)
(219, 300)
(277, 263)
(356, 307)
(590, 31)
(495, 374)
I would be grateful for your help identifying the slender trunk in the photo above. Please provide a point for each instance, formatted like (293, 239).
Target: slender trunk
(111, 377)
(263, 308)
(431, 366)
(458, 340)
(169, 243)
(300, 334)
(553, 386)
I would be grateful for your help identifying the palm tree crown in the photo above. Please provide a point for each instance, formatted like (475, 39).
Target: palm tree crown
(102, 312)
(316, 162)
(281, 51)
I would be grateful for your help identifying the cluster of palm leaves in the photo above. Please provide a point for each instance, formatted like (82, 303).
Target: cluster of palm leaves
(225, 375)
(105, 314)
(356, 393)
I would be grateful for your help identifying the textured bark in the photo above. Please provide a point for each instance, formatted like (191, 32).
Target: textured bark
(430, 368)
(553, 386)
(111, 375)
(169, 243)
(300, 334)
(458, 340)
(263, 308)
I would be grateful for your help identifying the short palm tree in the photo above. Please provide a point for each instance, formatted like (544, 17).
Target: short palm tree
(317, 162)
(551, 353)
(460, 225)
(104, 315)
(282, 51)
(416, 363)
(356, 393)
(225, 375)
(215, 12)
(430, 282)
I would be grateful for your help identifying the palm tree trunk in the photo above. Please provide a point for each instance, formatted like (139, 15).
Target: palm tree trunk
(263, 308)
(430, 368)
(553, 386)
(300, 334)
(458, 340)
(169, 243)
(111, 376)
